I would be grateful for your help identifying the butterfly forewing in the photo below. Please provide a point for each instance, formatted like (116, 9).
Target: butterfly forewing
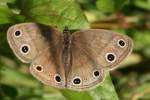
(106, 48)
(28, 40)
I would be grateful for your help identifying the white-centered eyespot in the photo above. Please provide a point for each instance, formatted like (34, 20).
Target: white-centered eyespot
(39, 68)
(121, 43)
(57, 78)
(17, 33)
(76, 80)
(25, 49)
(96, 73)
(110, 57)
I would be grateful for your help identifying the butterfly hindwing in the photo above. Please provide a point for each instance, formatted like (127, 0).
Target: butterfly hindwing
(84, 72)
(48, 68)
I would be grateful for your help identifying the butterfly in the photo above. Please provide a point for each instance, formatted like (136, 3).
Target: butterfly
(76, 61)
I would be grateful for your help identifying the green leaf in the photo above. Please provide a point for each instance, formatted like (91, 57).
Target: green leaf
(5, 2)
(142, 44)
(73, 95)
(53, 12)
(9, 91)
(105, 91)
(110, 6)
(7, 15)
(144, 4)
(106, 6)
(12, 77)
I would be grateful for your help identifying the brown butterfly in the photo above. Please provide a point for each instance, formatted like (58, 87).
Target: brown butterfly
(76, 61)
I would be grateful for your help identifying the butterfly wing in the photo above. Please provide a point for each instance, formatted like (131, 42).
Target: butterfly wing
(41, 45)
(93, 51)
(28, 40)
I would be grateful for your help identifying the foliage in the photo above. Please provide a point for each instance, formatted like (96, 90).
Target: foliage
(131, 81)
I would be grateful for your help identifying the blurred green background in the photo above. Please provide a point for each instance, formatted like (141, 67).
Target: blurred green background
(131, 81)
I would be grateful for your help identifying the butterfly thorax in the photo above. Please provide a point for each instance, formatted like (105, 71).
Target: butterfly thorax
(66, 53)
